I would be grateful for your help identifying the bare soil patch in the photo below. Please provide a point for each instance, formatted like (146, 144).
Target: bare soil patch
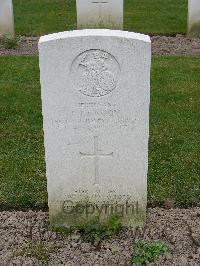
(178, 46)
(178, 228)
(27, 46)
(161, 45)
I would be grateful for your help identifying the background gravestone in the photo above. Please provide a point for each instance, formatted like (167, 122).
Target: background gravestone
(95, 97)
(99, 14)
(6, 18)
(194, 18)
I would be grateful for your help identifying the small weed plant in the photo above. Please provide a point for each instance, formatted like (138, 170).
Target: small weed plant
(94, 231)
(145, 252)
(38, 250)
(10, 43)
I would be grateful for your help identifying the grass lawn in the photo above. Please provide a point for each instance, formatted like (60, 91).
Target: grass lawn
(174, 168)
(36, 17)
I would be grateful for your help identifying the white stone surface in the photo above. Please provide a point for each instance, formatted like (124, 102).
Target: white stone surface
(6, 18)
(194, 17)
(99, 14)
(95, 100)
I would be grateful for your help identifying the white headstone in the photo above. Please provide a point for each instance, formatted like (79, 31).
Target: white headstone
(194, 18)
(95, 98)
(99, 14)
(6, 18)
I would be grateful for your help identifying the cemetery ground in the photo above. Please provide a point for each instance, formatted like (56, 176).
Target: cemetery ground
(161, 45)
(174, 131)
(173, 179)
(139, 16)
(173, 214)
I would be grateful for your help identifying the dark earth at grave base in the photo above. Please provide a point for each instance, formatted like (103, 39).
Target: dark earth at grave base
(178, 228)
(161, 45)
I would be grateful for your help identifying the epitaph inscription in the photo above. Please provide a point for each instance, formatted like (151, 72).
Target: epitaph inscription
(95, 73)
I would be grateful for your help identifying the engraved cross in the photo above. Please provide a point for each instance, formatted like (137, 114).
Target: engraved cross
(96, 154)
(100, 2)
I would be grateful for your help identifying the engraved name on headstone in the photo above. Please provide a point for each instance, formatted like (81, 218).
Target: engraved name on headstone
(99, 14)
(95, 99)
